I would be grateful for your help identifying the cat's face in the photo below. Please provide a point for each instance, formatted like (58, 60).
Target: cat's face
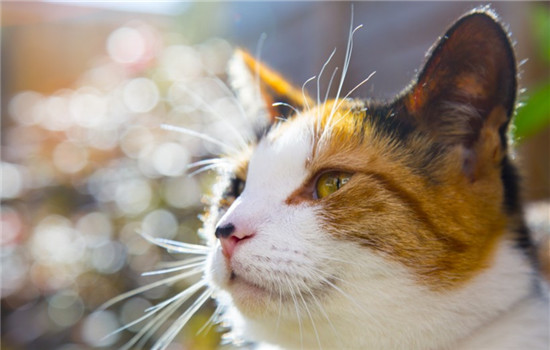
(351, 211)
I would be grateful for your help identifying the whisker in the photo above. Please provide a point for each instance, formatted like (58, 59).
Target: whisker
(329, 86)
(326, 98)
(280, 306)
(286, 105)
(207, 107)
(175, 246)
(289, 284)
(152, 326)
(319, 87)
(186, 294)
(210, 167)
(173, 269)
(208, 162)
(322, 310)
(212, 320)
(230, 94)
(151, 311)
(149, 286)
(310, 317)
(258, 55)
(350, 298)
(347, 58)
(304, 95)
(225, 147)
(169, 264)
(355, 88)
(321, 74)
(180, 322)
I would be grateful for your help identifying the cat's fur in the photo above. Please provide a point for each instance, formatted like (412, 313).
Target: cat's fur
(424, 248)
(418, 243)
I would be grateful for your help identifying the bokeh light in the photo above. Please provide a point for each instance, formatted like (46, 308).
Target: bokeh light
(86, 169)
(126, 45)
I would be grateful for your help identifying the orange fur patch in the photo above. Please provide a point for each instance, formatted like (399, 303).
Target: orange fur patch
(443, 228)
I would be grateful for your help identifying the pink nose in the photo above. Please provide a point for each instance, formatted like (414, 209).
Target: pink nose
(230, 237)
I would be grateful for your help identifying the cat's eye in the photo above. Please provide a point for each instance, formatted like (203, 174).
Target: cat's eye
(237, 187)
(234, 190)
(330, 182)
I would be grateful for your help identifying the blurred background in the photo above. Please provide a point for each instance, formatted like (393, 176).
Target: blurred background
(85, 165)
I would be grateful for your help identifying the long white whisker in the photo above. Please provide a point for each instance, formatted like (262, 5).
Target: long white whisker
(173, 269)
(280, 306)
(321, 74)
(350, 298)
(151, 311)
(230, 94)
(210, 167)
(322, 309)
(186, 294)
(297, 312)
(220, 117)
(347, 59)
(225, 147)
(213, 319)
(175, 246)
(152, 326)
(326, 98)
(169, 264)
(355, 88)
(329, 86)
(306, 103)
(208, 162)
(319, 87)
(310, 317)
(180, 322)
(258, 55)
(287, 105)
(149, 286)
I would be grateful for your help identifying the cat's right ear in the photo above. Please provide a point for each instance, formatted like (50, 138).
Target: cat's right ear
(465, 94)
(263, 93)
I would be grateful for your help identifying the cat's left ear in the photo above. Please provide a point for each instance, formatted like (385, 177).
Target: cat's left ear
(468, 86)
(263, 93)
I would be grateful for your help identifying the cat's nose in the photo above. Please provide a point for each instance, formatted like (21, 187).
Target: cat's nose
(224, 231)
(230, 237)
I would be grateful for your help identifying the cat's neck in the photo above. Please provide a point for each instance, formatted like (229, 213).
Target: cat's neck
(524, 326)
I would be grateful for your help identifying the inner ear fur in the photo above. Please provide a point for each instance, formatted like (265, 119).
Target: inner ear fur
(270, 86)
(467, 85)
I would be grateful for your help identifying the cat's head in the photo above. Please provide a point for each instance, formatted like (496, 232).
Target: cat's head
(350, 212)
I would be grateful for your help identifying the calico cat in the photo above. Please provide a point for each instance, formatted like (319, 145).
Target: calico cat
(356, 224)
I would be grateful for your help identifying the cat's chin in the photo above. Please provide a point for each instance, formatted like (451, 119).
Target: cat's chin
(249, 298)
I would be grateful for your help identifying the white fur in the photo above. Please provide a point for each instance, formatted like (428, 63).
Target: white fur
(369, 301)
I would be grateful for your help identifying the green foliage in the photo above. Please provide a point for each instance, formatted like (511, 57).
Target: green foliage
(535, 114)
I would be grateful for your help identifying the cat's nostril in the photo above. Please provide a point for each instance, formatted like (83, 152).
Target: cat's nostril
(224, 231)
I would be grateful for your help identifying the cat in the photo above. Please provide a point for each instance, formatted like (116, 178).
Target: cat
(357, 224)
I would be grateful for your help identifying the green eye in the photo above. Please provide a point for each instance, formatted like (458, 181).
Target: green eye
(331, 182)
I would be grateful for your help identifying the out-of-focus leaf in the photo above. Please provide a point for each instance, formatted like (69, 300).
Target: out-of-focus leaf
(534, 115)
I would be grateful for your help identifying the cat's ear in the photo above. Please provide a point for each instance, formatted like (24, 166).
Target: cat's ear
(262, 92)
(468, 85)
